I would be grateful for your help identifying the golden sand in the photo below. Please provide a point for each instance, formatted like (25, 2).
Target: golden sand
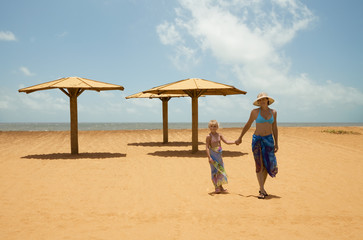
(129, 185)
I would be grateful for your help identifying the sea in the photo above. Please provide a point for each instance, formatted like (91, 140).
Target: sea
(89, 126)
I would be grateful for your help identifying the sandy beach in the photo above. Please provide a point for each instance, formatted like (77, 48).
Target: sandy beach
(129, 185)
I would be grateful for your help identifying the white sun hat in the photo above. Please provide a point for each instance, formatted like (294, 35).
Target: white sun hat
(263, 95)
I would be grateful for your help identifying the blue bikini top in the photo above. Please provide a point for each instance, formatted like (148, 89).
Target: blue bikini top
(260, 119)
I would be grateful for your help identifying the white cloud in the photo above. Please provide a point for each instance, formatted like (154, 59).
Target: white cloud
(220, 107)
(249, 36)
(167, 34)
(62, 35)
(7, 36)
(44, 101)
(26, 71)
(5, 102)
(106, 94)
(39, 101)
(53, 105)
(253, 34)
(184, 56)
(144, 103)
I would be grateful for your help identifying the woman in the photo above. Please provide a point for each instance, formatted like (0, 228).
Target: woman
(264, 140)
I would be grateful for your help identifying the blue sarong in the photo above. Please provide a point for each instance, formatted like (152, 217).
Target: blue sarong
(265, 147)
(219, 175)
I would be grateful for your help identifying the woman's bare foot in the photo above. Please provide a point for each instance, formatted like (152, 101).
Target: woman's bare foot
(262, 195)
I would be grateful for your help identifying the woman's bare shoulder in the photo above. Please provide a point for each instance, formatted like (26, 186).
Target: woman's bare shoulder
(255, 111)
(273, 110)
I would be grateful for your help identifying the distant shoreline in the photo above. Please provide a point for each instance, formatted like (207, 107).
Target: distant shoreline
(82, 126)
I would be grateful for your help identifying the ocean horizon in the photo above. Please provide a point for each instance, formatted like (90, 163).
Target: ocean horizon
(99, 126)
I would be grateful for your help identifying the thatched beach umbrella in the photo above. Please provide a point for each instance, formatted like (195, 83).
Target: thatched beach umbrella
(194, 88)
(165, 99)
(73, 87)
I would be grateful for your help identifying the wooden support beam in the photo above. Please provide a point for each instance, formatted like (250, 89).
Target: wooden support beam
(165, 101)
(73, 93)
(194, 124)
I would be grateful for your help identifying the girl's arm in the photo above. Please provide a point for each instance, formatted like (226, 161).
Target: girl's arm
(226, 141)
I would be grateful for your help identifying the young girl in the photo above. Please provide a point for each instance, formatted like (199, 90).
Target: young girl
(214, 153)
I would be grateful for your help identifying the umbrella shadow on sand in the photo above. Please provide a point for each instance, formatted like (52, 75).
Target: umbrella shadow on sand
(161, 144)
(65, 156)
(190, 154)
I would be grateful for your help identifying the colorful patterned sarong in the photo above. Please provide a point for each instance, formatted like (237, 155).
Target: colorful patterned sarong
(265, 146)
(219, 175)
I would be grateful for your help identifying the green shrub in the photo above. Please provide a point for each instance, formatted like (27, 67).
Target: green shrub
(333, 131)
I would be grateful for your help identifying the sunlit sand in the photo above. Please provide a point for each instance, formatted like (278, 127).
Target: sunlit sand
(129, 185)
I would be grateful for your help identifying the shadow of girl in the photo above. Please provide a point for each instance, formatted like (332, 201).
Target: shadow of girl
(188, 153)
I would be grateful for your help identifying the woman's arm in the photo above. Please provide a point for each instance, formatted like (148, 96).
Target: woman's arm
(246, 127)
(275, 131)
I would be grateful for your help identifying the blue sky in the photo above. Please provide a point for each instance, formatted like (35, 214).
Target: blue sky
(307, 55)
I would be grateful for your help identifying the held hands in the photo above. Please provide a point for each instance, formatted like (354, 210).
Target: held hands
(238, 141)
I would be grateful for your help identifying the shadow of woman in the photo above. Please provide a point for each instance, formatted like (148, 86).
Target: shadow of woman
(269, 197)
(86, 155)
(161, 144)
(188, 153)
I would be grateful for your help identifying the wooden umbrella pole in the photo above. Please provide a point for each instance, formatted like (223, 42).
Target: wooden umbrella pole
(194, 124)
(73, 94)
(165, 118)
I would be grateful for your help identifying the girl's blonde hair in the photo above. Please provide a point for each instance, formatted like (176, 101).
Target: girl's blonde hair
(213, 122)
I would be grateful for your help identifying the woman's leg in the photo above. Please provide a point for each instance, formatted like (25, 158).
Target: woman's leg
(261, 177)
